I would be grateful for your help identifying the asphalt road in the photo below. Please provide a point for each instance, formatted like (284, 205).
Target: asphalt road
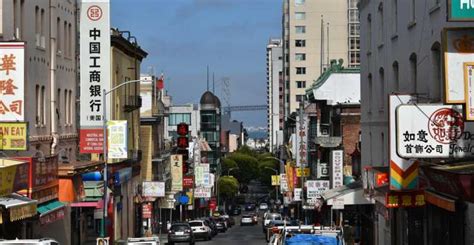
(248, 235)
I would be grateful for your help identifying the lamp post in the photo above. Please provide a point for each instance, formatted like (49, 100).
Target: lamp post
(104, 146)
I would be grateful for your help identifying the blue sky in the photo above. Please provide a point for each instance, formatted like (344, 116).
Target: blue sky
(183, 36)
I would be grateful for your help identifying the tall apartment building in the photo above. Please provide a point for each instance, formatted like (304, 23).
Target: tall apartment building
(314, 32)
(275, 93)
(402, 53)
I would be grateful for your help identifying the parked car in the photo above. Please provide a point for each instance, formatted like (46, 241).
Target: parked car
(229, 220)
(42, 241)
(246, 219)
(221, 225)
(263, 206)
(180, 232)
(255, 218)
(200, 230)
(269, 217)
(143, 240)
(211, 224)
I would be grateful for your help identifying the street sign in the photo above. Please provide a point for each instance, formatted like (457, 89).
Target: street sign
(460, 10)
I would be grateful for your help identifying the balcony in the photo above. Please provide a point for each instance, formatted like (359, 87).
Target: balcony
(132, 102)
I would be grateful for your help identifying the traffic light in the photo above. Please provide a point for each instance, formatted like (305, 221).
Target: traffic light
(183, 144)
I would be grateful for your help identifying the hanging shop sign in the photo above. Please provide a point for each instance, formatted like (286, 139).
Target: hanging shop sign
(95, 71)
(403, 172)
(117, 139)
(206, 181)
(337, 167)
(458, 49)
(460, 10)
(289, 170)
(305, 171)
(302, 143)
(188, 182)
(153, 189)
(469, 93)
(405, 199)
(202, 192)
(283, 183)
(199, 174)
(275, 180)
(314, 188)
(433, 131)
(323, 170)
(176, 172)
(13, 176)
(12, 82)
(297, 194)
(13, 135)
(147, 210)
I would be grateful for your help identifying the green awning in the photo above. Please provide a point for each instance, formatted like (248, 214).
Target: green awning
(94, 191)
(46, 208)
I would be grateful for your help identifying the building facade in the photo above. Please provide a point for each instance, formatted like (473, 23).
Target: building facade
(275, 92)
(313, 33)
(188, 114)
(402, 53)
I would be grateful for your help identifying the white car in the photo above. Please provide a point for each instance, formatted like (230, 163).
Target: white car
(263, 206)
(42, 241)
(144, 241)
(246, 220)
(200, 230)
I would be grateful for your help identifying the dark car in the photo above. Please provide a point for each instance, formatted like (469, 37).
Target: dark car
(250, 207)
(180, 232)
(221, 225)
(209, 222)
(237, 210)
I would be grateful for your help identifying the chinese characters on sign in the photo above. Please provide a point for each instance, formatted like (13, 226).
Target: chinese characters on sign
(469, 93)
(153, 189)
(176, 172)
(433, 131)
(301, 143)
(405, 199)
(95, 65)
(337, 165)
(202, 192)
(12, 81)
(117, 139)
(13, 136)
(314, 188)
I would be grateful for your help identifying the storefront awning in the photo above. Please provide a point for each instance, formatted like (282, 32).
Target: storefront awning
(352, 194)
(17, 207)
(85, 204)
(51, 211)
(94, 191)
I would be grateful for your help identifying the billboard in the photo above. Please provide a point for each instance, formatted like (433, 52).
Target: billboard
(95, 68)
(202, 192)
(403, 172)
(460, 10)
(457, 49)
(13, 136)
(188, 181)
(337, 158)
(314, 188)
(117, 139)
(153, 189)
(12, 81)
(176, 172)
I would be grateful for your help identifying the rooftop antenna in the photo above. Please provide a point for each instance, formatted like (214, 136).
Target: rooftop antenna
(213, 83)
(207, 77)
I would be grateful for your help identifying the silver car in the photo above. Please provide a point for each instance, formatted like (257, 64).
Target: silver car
(246, 220)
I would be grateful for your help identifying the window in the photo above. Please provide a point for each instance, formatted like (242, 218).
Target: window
(382, 88)
(354, 29)
(301, 84)
(299, 2)
(301, 70)
(300, 43)
(369, 31)
(396, 81)
(287, 85)
(395, 16)
(381, 33)
(71, 108)
(300, 15)
(287, 58)
(369, 78)
(353, 15)
(58, 109)
(413, 11)
(71, 42)
(38, 104)
(300, 29)
(66, 107)
(22, 18)
(43, 106)
(299, 98)
(354, 43)
(42, 27)
(413, 73)
(177, 118)
(65, 39)
(37, 26)
(300, 56)
(58, 35)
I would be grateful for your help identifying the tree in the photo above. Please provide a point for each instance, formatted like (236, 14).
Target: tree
(248, 167)
(228, 187)
(265, 172)
(227, 164)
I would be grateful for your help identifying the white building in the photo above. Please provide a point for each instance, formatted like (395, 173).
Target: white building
(182, 113)
(314, 32)
(275, 85)
(401, 52)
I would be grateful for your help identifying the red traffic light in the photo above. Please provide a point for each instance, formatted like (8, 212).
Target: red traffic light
(182, 129)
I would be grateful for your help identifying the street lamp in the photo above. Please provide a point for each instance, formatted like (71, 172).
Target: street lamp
(276, 186)
(230, 169)
(104, 146)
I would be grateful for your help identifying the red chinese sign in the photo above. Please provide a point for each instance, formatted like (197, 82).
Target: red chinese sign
(188, 181)
(12, 81)
(147, 210)
(91, 140)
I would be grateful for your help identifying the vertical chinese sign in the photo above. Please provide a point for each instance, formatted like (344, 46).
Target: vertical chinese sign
(12, 81)
(117, 139)
(95, 72)
(337, 162)
(176, 172)
(301, 143)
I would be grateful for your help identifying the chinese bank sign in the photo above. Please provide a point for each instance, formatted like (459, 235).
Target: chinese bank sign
(95, 71)
(433, 131)
(12, 81)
